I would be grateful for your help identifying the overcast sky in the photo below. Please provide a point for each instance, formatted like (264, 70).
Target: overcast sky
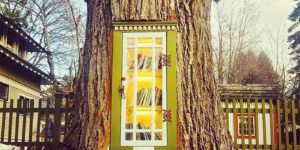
(274, 15)
(272, 20)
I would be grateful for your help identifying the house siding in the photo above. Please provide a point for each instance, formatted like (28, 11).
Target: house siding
(18, 87)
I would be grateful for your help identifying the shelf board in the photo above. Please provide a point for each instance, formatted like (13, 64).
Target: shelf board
(144, 108)
(145, 73)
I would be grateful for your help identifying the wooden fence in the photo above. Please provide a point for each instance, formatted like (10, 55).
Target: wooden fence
(22, 125)
(263, 124)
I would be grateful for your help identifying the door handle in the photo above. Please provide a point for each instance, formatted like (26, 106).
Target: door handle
(122, 91)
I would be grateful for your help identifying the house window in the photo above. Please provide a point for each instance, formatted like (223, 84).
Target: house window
(3, 91)
(248, 121)
(24, 103)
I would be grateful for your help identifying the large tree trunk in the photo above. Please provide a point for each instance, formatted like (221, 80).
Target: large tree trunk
(90, 121)
(201, 121)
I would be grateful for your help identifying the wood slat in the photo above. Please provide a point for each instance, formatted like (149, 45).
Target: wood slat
(24, 121)
(57, 120)
(47, 120)
(249, 124)
(10, 121)
(3, 121)
(242, 123)
(256, 123)
(294, 124)
(31, 122)
(24, 129)
(279, 125)
(17, 120)
(39, 125)
(272, 124)
(264, 123)
(234, 125)
(67, 115)
(286, 121)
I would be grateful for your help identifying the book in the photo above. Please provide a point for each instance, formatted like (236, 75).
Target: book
(144, 97)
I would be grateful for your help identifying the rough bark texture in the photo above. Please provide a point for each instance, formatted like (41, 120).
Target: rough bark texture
(201, 120)
(90, 121)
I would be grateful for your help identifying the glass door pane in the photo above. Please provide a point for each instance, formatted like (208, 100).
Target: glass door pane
(145, 80)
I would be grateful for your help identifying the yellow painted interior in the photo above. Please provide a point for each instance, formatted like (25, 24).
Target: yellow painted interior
(144, 41)
(144, 81)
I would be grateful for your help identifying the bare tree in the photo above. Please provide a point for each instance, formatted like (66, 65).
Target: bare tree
(10, 9)
(58, 26)
(234, 22)
(277, 46)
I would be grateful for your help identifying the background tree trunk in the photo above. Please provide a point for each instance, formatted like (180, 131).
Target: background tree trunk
(201, 120)
(90, 121)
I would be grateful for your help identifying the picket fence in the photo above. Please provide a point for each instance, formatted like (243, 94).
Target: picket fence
(278, 120)
(17, 123)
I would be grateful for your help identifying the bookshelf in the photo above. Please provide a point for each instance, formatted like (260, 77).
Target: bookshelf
(143, 89)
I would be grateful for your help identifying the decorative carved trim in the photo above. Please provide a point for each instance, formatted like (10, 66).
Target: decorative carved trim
(166, 60)
(167, 115)
(144, 26)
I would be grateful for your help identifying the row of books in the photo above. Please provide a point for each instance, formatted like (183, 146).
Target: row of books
(144, 97)
(145, 62)
(142, 135)
(129, 126)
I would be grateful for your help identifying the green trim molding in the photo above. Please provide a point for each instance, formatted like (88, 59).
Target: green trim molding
(115, 143)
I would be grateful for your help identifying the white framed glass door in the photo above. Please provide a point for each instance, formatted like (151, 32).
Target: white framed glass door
(144, 81)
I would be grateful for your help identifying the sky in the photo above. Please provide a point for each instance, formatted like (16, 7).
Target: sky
(274, 14)
(271, 22)
(272, 17)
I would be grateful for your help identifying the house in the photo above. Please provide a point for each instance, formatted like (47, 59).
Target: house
(19, 80)
(256, 124)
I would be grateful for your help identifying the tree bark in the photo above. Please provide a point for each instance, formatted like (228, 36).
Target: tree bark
(201, 118)
(201, 122)
(90, 121)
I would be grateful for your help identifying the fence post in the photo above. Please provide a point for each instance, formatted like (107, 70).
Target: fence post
(57, 120)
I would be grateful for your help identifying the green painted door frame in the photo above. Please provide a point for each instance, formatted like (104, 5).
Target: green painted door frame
(115, 143)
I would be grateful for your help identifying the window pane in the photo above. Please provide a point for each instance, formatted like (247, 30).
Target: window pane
(129, 136)
(143, 136)
(144, 119)
(130, 41)
(146, 40)
(3, 91)
(158, 41)
(158, 136)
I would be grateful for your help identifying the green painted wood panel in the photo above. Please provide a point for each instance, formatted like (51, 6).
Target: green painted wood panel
(115, 143)
(116, 98)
